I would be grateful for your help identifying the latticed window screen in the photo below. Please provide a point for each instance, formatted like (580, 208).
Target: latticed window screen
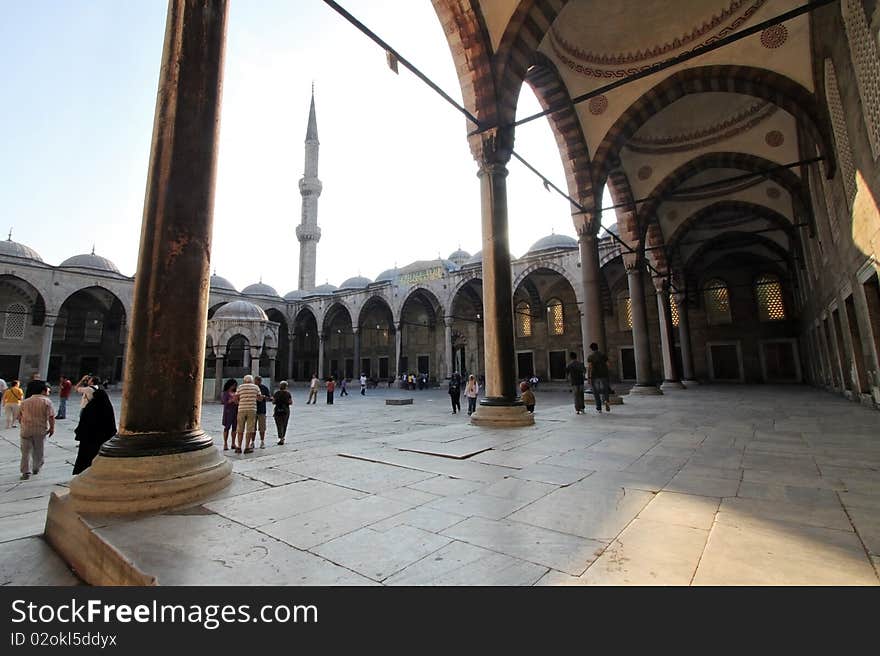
(523, 319)
(716, 299)
(16, 317)
(94, 329)
(555, 317)
(866, 63)
(841, 136)
(673, 310)
(625, 313)
(768, 292)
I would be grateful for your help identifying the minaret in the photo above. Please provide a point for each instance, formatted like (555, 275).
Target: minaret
(307, 232)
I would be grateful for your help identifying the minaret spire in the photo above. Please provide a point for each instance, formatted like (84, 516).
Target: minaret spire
(307, 232)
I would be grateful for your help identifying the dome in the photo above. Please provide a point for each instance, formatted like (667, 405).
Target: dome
(295, 295)
(218, 282)
(476, 258)
(553, 241)
(613, 229)
(422, 265)
(460, 257)
(387, 275)
(90, 261)
(259, 289)
(323, 289)
(11, 248)
(241, 310)
(358, 282)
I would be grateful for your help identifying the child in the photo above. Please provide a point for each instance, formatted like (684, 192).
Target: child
(528, 397)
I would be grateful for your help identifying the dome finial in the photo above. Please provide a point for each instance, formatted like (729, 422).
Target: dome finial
(9, 238)
(93, 248)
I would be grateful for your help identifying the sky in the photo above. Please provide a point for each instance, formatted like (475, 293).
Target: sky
(399, 182)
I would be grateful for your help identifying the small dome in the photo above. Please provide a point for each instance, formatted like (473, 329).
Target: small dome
(476, 258)
(11, 248)
(387, 275)
(358, 282)
(613, 229)
(218, 282)
(241, 310)
(259, 289)
(553, 241)
(323, 289)
(295, 295)
(460, 257)
(90, 261)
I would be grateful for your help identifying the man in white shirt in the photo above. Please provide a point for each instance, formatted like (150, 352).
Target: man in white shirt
(363, 384)
(313, 390)
(37, 419)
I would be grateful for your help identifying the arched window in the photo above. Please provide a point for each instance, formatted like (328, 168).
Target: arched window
(841, 139)
(768, 293)
(866, 64)
(235, 351)
(523, 320)
(555, 317)
(716, 299)
(624, 312)
(16, 318)
(673, 310)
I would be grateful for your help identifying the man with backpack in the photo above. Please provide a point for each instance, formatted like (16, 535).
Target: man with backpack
(575, 372)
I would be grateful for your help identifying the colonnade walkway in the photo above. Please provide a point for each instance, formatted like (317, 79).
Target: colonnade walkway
(713, 485)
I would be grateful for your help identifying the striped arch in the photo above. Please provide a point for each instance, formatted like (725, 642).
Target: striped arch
(785, 178)
(733, 240)
(757, 82)
(544, 79)
(655, 249)
(550, 266)
(730, 206)
(627, 215)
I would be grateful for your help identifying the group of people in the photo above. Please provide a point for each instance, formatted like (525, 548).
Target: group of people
(244, 412)
(471, 392)
(35, 414)
(595, 372)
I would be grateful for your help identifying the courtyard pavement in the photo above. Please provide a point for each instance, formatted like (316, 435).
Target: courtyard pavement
(717, 485)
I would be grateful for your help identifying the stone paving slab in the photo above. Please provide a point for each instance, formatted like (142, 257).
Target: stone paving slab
(31, 561)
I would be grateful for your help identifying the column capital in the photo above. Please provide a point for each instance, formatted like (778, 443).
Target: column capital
(680, 297)
(355, 330)
(632, 262)
(448, 321)
(587, 225)
(661, 284)
(492, 149)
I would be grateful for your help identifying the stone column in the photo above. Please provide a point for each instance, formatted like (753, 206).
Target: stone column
(357, 353)
(255, 360)
(641, 340)
(671, 379)
(290, 375)
(161, 458)
(320, 356)
(684, 338)
(593, 324)
(218, 375)
(46, 350)
(501, 405)
(447, 353)
(398, 347)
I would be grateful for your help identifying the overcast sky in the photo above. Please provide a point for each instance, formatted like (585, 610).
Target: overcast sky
(78, 95)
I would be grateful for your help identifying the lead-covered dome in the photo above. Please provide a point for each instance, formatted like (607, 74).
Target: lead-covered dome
(476, 258)
(460, 257)
(219, 282)
(357, 282)
(11, 248)
(295, 295)
(241, 311)
(552, 242)
(324, 289)
(90, 261)
(260, 289)
(387, 275)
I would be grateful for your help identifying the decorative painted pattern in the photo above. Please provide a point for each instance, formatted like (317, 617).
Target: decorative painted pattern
(866, 63)
(774, 138)
(618, 65)
(774, 36)
(645, 172)
(598, 105)
(773, 193)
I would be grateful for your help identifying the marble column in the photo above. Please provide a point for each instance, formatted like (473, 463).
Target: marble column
(255, 360)
(398, 347)
(593, 324)
(46, 350)
(671, 379)
(641, 339)
(320, 356)
(447, 353)
(356, 368)
(501, 405)
(161, 457)
(684, 338)
(290, 375)
(218, 376)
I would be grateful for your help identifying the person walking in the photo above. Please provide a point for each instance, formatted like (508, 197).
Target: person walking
(363, 381)
(597, 373)
(343, 387)
(527, 396)
(87, 386)
(247, 396)
(12, 398)
(265, 395)
(575, 372)
(3, 387)
(455, 393)
(97, 424)
(64, 389)
(313, 390)
(331, 387)
(230, 411)
(283, 402)
(471, 390)
(37, 419)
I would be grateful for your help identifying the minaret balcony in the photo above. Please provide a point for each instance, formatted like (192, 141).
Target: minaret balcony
(308, 233)
(310, 187)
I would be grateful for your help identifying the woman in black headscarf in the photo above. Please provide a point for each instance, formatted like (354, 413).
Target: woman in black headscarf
(97, 424)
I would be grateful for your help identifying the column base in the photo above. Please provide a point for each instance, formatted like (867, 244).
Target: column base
(500, 413)
(645, 390)
(687, 382)
(124, 485)
(671, 385)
